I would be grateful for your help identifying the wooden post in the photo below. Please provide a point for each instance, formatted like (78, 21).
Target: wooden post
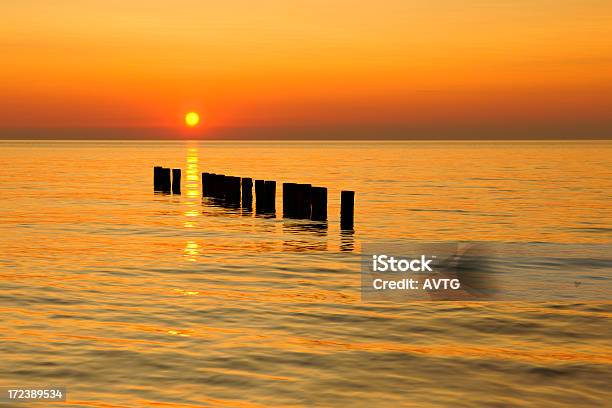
(347, 209)
(260, 199)
(232, 190)
(302, 201)
(157, 170)
(219, 186)
(176, 181)
(205, 184)
(288, 200)
(297, 200)
(207, 181)
(226, 188)
(164, 182)
(306, 204)
(236, 184)
(214, 185)
(210, 190)
(318, 200)
(247, 192)
(270, 194)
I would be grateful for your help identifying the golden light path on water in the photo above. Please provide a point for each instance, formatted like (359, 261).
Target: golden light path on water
(192, 202)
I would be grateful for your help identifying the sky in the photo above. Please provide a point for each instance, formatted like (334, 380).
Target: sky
(306, 69)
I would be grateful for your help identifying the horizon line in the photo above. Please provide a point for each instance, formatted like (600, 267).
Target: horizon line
(311, 133)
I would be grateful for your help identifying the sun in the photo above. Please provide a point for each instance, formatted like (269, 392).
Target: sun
(192, 119)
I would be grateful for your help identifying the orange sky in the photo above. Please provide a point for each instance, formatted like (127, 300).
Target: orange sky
(435, 66)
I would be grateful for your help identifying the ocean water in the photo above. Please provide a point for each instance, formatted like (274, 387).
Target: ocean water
(135, 299)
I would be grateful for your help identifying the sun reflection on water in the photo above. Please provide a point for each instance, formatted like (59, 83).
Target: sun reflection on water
(192, 249)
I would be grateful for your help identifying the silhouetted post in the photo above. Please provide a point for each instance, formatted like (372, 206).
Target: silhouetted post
(296, 200)
(318, 200)
(219, 186)
(214, 185)
(209, 184)
(165, 180)
(247, 192)
(260, 200)
(157, 170)
(236, 185)
(205, 184)
(270, 194)
(176, 181)
(232, 190)
(347, 209)
(288, 200)
(227, 188)
(304, 200)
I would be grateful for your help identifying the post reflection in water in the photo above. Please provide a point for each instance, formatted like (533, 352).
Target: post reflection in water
(304, 235)
(347, 240)
(191, 202)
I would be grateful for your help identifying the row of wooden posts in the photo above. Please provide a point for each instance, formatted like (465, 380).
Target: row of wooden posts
(302, 201)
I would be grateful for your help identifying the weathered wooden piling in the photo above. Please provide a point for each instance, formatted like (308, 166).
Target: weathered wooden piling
(260, 199)
(157, 178)
(289, 200)
(318, 202)
(227, 188)
(232, 190)
(213, 185)
(270, 195)
(164, 183)
(218, 185)
(167, 179)
(303, 206)
(297, 201)
(347, 209)
(161, 179)
(247, 192)
(236, 189)
(176, 181)
(205, 184)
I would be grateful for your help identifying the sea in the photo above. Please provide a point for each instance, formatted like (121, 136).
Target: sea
(130, 298)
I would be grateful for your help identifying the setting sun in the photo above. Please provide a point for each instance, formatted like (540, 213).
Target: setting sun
(192, 119)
